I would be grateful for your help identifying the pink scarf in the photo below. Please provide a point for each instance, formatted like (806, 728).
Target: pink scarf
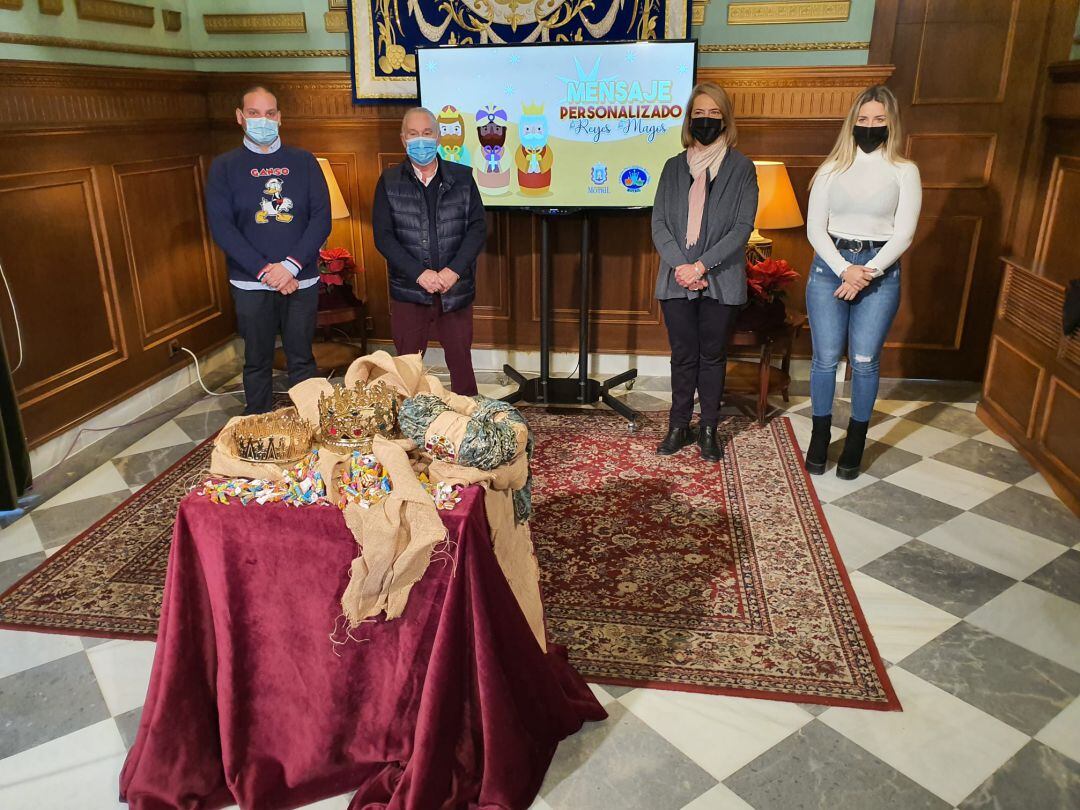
(704, 161)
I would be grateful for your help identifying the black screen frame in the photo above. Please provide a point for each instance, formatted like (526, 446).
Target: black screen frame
(556, 210)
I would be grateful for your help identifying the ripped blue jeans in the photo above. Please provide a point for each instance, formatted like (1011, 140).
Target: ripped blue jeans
(859, 326)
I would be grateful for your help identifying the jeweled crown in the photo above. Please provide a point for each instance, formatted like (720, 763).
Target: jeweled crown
(350, 418)
(278, 437)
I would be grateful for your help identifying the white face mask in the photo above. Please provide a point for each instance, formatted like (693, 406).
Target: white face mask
(263, 131)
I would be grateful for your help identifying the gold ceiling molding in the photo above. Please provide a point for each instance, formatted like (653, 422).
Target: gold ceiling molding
(697, 11)
(773, 47)
(51, 7)
(272, 54)
(336, 22)
(13, 5)
(809, 11)
(90, 45)
(113, 11)
(172, 20)
(289, 22)
(172, 53)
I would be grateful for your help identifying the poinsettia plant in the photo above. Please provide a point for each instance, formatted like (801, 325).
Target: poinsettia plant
(767, 278)
(334, 265)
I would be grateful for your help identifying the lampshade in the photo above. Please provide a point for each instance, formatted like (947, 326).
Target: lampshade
(777, 207)
(338, 208)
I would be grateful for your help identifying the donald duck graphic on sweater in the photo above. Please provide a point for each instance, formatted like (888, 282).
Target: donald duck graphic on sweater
(273, 205)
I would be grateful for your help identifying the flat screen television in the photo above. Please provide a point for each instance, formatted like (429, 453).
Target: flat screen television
(560, 126)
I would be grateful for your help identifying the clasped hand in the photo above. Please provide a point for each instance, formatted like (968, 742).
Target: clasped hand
(691, 276)
(854, 280)
(438, 282)
(279, 277)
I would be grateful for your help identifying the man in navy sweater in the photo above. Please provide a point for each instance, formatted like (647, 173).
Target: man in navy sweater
(269, 210)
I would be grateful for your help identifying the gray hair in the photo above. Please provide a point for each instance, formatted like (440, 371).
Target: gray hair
(424, 110)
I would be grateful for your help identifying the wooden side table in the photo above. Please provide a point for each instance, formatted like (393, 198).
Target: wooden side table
(748, 384)
(333, 355)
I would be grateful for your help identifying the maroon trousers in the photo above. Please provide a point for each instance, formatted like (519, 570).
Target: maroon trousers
(412, 325)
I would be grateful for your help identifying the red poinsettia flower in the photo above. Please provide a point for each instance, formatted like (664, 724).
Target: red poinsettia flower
(334, 265)
(767, 278)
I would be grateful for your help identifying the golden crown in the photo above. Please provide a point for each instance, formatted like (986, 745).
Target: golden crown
(350, 418)
(279, 437)
(532, 109)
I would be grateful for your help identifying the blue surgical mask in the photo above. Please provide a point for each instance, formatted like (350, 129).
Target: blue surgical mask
(421, 150)
(262, 131)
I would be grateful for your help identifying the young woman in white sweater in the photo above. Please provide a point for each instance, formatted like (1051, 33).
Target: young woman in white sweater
(864, 206)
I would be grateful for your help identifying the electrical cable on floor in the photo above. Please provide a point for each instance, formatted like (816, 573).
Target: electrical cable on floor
(15, 316)
(198, 376)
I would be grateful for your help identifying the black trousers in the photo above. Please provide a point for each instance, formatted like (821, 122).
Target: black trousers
(698, 331)
(261, 315)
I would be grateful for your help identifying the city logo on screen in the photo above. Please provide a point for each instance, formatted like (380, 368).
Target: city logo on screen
(634, 178)
(598, 175)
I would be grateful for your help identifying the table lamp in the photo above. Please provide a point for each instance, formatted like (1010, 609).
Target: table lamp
(338, 208)
(777, 207)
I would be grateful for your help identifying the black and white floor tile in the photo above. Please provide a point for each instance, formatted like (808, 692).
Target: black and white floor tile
(966, 565)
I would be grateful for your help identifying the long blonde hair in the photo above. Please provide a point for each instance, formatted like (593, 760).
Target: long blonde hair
(730, 135)
(843, 152)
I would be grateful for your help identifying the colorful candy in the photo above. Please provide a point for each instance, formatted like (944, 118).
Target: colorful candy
(363, 482)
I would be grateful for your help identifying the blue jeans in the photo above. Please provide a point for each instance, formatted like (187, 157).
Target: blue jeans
(859, 326)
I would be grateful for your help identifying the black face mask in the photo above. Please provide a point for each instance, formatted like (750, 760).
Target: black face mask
(706, 130)
(870, 138)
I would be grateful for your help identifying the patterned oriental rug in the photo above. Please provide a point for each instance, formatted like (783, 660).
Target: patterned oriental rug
(662, 572)
(679, 574)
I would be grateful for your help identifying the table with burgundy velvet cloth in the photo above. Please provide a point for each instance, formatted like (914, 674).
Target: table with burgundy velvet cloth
(452, 705)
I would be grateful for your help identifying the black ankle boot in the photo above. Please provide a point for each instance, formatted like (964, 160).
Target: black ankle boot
(706, 440)
(817, 454)
(850, 459)
(677, 438)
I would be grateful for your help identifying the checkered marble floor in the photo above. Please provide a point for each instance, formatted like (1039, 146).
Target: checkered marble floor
(966, 565)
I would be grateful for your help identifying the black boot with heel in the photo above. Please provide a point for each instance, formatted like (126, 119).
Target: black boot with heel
(851, 457)
(817, 454)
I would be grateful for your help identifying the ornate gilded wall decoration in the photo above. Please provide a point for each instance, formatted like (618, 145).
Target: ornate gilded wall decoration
(809, 11)
(111, 11)
(172, 20)
(288, 22)
(336, 22)
(386, 33)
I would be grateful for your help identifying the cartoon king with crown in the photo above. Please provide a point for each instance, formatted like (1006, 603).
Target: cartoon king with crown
(452, 136)
(491, 177)
(534, 157)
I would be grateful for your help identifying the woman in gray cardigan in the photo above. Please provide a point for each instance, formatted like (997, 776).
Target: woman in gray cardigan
(704, 212)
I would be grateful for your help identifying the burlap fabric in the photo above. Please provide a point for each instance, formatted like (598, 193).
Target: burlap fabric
(398, 535)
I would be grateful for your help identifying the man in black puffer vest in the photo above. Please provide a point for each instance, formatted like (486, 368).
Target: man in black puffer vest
(429, 225)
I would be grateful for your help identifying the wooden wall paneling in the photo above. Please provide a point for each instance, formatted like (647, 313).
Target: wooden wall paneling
(64, 287)
(953, 159)
(103, 126)
(1057, 436)
(976, 34)
(168, 246)
(492, 308)
(965, 79)
(1058, 253)
(935, 281)
(1014, 381)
